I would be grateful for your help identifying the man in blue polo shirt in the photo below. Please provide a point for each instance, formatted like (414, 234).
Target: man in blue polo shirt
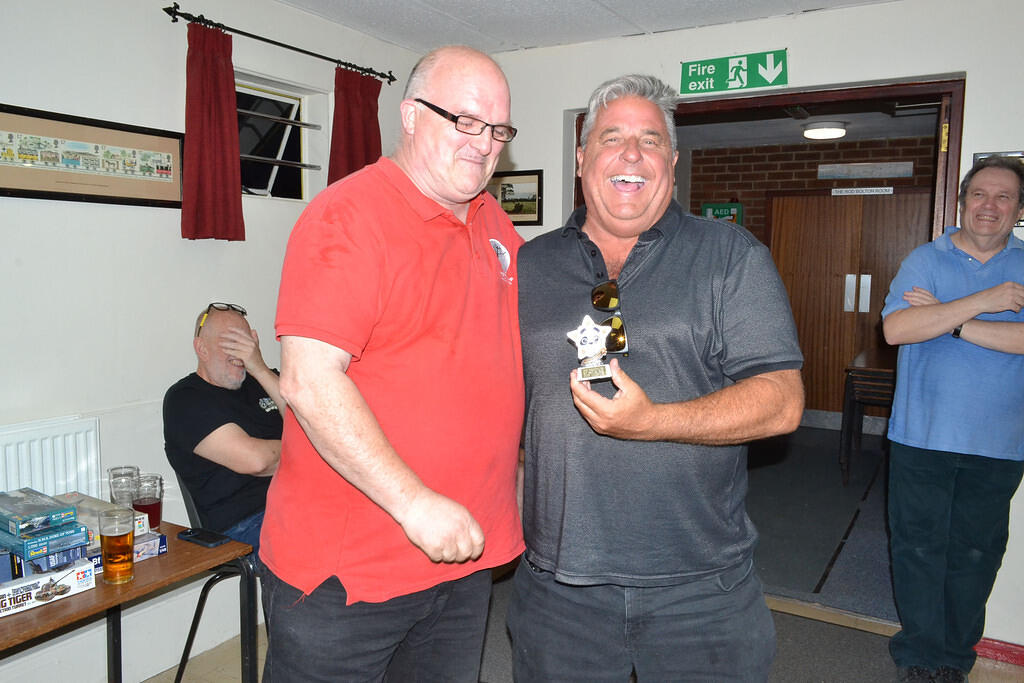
(639, 549)
(956, 429)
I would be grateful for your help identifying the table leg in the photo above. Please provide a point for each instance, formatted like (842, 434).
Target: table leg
(114, 644)
(247, 618)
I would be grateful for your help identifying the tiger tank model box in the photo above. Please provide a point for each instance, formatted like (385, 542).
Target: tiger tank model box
(25, 593)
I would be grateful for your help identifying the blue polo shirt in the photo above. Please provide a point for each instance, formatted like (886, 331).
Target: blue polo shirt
(952, 395)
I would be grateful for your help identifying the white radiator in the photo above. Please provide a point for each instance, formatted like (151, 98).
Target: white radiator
(52, 456)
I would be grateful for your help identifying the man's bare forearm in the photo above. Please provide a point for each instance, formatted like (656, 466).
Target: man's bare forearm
(997, 335)
(754, 408)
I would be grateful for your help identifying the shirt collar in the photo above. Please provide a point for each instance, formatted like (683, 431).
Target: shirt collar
(945, 241)
(574, 225)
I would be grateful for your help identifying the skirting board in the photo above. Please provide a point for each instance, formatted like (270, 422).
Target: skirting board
(1000, 651)
(996, 650)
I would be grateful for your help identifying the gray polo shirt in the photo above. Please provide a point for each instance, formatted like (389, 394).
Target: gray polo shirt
(703, 308)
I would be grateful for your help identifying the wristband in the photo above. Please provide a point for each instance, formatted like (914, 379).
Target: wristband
(956, 330)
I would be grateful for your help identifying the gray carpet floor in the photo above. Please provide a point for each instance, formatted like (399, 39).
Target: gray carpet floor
(822, 542)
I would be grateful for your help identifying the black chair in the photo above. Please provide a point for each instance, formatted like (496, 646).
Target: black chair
(248, 627)
(870, 380)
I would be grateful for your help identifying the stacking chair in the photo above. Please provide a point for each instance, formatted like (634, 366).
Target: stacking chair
(224, 571)
(870, 380)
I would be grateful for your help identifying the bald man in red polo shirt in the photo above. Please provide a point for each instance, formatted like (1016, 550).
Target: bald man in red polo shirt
(401, 368)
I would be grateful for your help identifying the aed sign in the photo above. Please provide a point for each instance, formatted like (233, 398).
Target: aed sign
(757, 70)
(730, 211)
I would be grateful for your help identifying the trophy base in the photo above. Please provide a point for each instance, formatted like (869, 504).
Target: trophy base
(589, 373)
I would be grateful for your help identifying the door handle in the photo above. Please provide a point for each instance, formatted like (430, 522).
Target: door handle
(849, 296)
(865, 293)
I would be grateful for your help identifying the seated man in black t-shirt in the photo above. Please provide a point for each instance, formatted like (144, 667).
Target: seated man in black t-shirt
(222, 424)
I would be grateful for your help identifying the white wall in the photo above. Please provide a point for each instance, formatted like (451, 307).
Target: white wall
(897, 40)
(99, 300)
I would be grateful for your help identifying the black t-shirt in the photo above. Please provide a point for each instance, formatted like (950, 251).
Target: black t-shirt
(194, 408)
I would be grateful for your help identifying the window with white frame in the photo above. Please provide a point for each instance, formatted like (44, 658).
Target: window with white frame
(273, 127)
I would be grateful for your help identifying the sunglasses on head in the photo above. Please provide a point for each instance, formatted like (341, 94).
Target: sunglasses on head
(217, 306)
(605, 297)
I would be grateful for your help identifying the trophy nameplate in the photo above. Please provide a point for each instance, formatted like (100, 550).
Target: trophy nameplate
(590, 338)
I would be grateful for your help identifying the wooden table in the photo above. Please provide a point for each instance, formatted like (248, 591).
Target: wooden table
(183, 560)
(870, 380)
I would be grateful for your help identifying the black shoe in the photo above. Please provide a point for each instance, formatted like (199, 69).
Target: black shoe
(947, 674)
(915, 673)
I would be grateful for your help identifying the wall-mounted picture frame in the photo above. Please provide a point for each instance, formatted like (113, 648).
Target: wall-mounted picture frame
(46, 155)
(1019, 155)
(521, 195)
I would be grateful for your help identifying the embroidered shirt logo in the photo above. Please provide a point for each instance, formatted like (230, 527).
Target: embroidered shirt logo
(267, 404)
(504, 259)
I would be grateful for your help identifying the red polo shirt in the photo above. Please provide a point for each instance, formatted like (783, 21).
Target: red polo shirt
(428, 311)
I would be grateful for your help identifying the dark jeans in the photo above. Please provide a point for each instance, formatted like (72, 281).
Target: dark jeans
(948, 517)
(432, 635)
(248, 531)
(716, 629)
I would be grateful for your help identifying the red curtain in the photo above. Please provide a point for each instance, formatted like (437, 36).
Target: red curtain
(355, 135)
(211, 204)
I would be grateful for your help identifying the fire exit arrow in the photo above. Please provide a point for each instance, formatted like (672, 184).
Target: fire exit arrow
(770, 70)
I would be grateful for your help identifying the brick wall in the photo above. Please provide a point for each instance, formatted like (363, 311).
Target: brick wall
(747, 174)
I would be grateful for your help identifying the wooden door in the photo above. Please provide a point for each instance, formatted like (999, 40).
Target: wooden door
(816, 243)
(824, 247)
(893, 225)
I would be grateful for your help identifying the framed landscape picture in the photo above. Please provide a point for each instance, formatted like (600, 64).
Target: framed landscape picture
(521, 195)
(46, 155)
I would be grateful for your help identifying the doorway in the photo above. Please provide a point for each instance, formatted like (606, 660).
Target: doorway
(748, 151)
(879, 232)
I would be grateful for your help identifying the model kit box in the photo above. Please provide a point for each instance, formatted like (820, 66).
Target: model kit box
(25, 593)
(146, 546)
(5, 565)
(88, 509)
(24, 510)
(46, 541)
(20, 567)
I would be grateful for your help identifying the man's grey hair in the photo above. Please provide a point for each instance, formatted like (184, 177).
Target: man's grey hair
(635, 85)
(995, 161)
(419, 75)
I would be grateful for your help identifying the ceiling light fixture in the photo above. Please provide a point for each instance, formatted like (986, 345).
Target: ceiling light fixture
(824, 130)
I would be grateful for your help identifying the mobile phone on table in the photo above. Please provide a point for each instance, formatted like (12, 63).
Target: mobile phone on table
(203, 537)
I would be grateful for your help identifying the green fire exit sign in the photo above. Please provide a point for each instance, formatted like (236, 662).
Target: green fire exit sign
(756, 70)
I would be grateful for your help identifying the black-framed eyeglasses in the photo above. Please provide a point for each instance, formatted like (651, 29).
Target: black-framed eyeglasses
(605, 297)
(472, 126)
(217, 306)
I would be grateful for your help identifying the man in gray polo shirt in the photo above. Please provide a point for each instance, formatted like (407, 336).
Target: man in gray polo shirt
(639, 549)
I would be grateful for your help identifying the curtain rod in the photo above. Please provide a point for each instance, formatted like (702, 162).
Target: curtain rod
(174, 14)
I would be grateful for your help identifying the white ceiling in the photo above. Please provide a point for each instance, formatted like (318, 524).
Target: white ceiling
(505, 25)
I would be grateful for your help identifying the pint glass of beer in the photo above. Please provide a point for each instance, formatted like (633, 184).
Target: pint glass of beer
(117, 540)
